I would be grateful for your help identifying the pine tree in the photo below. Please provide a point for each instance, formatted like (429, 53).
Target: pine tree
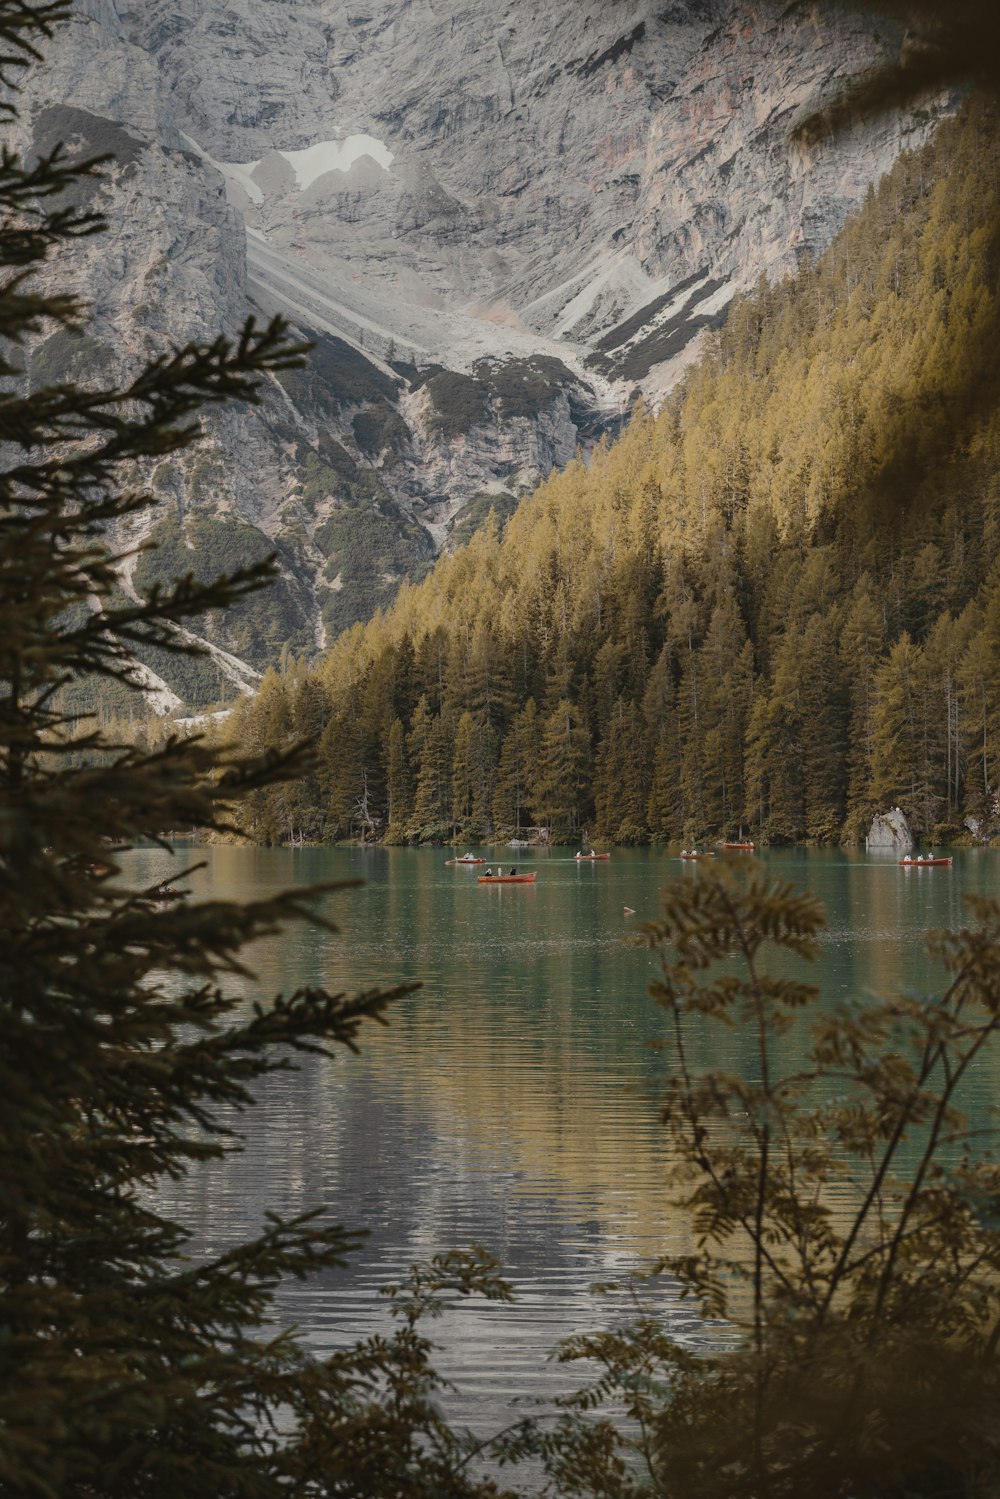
(341, 772)
(310, 712)
(126, 1368)
(262, 728)
(861, 642)
(726, 660)
(463, 773)
(560, 794)
(485, 768)
(823, 699)
(400, 784)
(902, 766)
(621, 784)
(430, 752)
(664, 814)
(511, 793)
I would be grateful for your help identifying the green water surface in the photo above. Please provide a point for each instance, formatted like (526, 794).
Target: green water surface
(512, 1102)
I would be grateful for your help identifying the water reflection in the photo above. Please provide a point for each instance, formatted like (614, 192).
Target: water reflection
(513, 1101)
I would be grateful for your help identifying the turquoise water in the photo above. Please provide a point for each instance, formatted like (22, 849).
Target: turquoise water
(512, 1102)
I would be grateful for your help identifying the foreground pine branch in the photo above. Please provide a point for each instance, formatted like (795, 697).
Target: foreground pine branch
(128, 1368)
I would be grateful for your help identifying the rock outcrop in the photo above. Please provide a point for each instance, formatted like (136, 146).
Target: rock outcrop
(496, 224)
(889, 833)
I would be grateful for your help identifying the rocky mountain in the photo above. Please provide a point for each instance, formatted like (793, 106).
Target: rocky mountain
(497, 226)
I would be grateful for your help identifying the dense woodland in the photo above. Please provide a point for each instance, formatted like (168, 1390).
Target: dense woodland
(774, 605)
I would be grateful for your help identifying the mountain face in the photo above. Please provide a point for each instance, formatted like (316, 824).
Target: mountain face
(497, 226)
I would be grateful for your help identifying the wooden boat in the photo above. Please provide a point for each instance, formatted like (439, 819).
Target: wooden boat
(465, 859)
(164, 894)
(742, 847)
(507, 879)
(697, 853)
(924, 861)
(587, 857)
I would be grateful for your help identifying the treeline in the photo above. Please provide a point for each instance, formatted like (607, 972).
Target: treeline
(775, 605)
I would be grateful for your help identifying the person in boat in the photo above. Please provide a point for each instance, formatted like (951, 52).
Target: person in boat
(489, 874)
(513, 870)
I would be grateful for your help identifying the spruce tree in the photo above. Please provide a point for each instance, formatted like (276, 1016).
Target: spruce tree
(511, 801)
(126, 1367)
(562, 773)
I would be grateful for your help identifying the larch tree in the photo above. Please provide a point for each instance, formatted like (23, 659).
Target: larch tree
(862, 638)
(901, 771)
(560, 795)
(400, 783)
(128, 1367)
(511, 792)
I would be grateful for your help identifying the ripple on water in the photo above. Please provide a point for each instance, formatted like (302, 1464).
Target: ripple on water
(512, 1101)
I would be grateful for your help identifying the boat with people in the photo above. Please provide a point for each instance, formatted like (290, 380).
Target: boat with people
(584, 858)
(924, 861)
(741, 846)
(465, 859)
(697, 853)
(163, 893)
(507, 879)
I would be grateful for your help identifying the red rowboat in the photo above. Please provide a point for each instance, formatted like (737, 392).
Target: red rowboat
(747, 847)
(506, 879)
(465, 859)
(923, 863)
(593, 856)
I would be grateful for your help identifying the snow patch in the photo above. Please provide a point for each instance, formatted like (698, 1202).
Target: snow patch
(334, 156)
(307, 164)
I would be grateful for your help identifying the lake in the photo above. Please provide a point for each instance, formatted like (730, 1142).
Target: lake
(512, 1102)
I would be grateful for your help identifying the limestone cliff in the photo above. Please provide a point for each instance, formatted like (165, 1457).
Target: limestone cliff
(496, 224)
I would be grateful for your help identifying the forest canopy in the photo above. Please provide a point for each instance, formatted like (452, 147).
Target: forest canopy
(773, 605)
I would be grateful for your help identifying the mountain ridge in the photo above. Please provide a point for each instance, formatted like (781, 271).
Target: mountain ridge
(455, 208)
(775, 605)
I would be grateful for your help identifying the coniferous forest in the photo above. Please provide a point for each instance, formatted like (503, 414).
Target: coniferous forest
(775, 604)
(772, 602)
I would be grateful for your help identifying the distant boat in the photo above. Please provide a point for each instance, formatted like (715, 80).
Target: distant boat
(593, 856)
(507, 879)
(164, 894)
(518, 843)
(465, 859)
(923, 861)
(745, 847)
(699, 853)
